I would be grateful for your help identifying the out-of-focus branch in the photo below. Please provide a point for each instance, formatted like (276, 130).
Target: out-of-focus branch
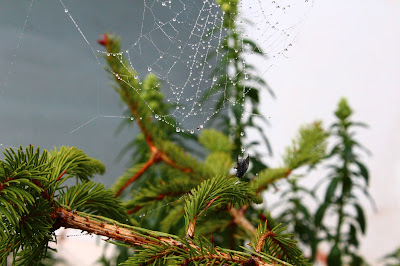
(240, 219)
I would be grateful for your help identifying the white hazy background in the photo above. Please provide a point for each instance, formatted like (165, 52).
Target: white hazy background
(349, 49)
(345, 48)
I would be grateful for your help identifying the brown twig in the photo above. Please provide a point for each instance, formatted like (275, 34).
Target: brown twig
(146, 166)
(191, 228)
(211, 202)
(240, 219)
(261, 240)
(173, 164)
(70, 219)
(192, 225)
(217, 257)
(58, 178)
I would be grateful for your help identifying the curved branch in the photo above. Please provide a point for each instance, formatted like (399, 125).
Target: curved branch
(240, 219)
(146, 166)
(137, 237)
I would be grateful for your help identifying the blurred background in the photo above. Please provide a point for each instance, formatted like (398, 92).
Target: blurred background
(54, 90)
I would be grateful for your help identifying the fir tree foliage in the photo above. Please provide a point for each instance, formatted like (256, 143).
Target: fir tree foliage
(28, 229)
(91, 197)
(170, 189)
(214, 192)
(307, 149)
(174, 184)
(30, 192)
(277, 243)
(215, 141)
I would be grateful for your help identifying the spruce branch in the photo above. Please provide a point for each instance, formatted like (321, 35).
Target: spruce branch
(93, 198)
(162, 192)
(156, 246)
(74, 163)
(214, 192)
(41, 215)
(136, 95)
(30, 186)
(278, 244)
(215, 141)
(217, 163)
(149, 163)
(240, 219)
(161, 150)
(307, 149)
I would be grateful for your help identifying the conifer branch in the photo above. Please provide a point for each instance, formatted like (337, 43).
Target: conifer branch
(100, 226)
(192, 225)
(149, 163)
(278, 244)
(46, 214)
(218, 190)
(308, 148)
(144, 238)
(240, 219)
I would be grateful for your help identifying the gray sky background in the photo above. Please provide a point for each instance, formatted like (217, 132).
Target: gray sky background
(51, 82)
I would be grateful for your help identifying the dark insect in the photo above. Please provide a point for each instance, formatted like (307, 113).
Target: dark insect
(242, 166)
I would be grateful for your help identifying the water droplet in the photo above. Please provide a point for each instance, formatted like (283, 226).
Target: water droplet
(246, 76)
(66, 10)
(156, 116)
(242, 134)
(131, 118)
(192, 131)
(214, 78)
(149, 69)
(178, 129)
(243, 149)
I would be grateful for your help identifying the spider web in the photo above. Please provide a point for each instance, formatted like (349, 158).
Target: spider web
(53, 88)
(172, 39)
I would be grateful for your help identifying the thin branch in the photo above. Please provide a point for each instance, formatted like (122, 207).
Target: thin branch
(58, 178)
(146, 166)
(261, 240)
(217, 257)
(173, 164)
(70, 219)
(192, 225)
(240, 219)
(191, 228)
(261, 188)
(157, 198)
